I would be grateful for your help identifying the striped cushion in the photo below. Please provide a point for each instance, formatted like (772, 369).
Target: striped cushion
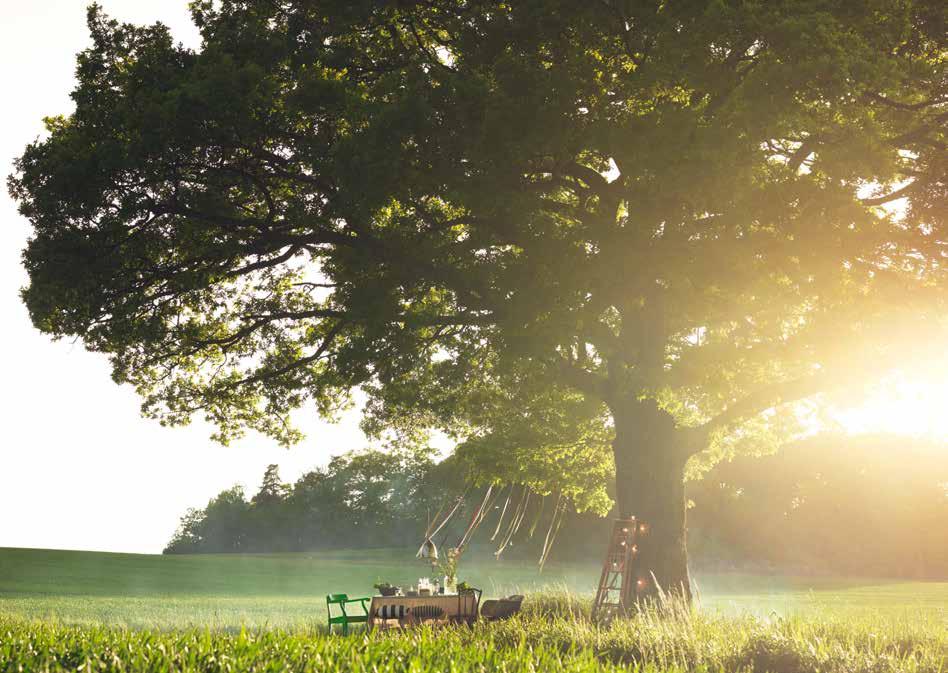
(390, 612)
(427, 612)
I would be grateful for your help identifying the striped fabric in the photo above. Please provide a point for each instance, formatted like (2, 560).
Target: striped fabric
(390, 612)
(427, 612)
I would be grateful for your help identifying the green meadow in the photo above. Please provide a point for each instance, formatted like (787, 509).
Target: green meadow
(82, 611)
(288, 590)
(531, 643)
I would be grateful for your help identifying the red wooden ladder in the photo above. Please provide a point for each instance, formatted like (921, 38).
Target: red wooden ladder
(619, 571)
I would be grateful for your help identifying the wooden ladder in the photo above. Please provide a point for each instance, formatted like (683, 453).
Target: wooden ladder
(619, 571)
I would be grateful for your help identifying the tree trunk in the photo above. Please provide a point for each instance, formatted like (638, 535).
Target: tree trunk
(650, 459)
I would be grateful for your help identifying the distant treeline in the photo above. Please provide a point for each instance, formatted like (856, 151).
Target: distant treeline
(842, 505)
(368, 498)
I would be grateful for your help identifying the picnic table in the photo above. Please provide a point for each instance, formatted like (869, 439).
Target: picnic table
(460, 607)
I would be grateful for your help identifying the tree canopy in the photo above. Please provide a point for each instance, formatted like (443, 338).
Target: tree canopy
(515, 221)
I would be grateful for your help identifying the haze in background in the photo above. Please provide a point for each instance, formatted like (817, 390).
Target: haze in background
(79, 468)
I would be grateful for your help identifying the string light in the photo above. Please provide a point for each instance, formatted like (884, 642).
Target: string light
(643, 528)
(640, 583)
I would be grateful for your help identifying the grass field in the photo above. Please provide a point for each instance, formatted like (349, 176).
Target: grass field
(288, 590)
(528, 644)
(228, 591)
(71, 611)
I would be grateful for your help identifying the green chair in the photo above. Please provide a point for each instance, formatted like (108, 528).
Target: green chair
(345, 619)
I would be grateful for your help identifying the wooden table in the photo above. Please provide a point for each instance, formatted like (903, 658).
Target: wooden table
(457, 607)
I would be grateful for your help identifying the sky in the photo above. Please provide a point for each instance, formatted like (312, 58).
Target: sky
(79, 467)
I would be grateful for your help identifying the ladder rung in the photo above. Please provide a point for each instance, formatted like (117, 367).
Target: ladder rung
(615, 571)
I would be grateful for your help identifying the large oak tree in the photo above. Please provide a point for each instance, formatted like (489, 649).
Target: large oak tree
(560, 230)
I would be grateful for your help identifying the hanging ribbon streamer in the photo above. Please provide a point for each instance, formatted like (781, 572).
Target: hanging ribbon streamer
(536, 519)
(432, 530)
(502, 512)
(477, 518)
(523, 513)
(555, 522)
(457, 504)
(515, 522)
(508, 532)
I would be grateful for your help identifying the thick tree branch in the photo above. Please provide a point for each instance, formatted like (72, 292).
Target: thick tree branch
(607, 343)
(759, 401)
(592, 178)
(405, 319)
(582, 380)
(800, 155)
(892, 196)
(265, 263)
(918, 134)
(871, 95)
(296, 364)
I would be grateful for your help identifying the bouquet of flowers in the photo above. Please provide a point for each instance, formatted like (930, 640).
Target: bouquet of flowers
(448, 566)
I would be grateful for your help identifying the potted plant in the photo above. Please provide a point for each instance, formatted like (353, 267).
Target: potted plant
(386, 589)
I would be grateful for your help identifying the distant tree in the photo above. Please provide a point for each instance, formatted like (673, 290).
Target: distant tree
(224, 528)
(267, 523)
(317, 519)
(272, 490)
(572, 234)
(371, 498)
(189, 537)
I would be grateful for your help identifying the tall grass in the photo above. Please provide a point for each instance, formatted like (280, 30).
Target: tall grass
(27, 647)
(671, 634)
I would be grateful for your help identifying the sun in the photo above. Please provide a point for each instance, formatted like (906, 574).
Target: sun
(900, 407)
